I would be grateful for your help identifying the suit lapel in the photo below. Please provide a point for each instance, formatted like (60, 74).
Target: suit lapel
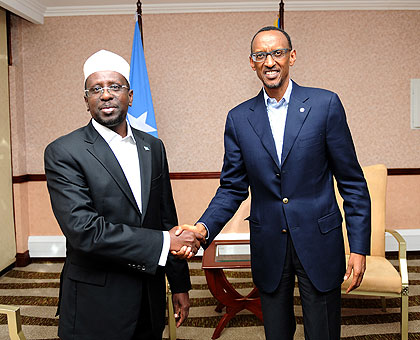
(258, 119)
(296, 115)
(99, 148)
(145, 158)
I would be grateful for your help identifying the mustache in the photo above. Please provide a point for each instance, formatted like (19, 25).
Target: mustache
(108, 106)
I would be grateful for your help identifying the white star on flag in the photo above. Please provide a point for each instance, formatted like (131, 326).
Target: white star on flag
(139, 123)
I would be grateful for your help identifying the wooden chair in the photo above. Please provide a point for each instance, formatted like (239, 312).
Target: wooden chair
(381, 278)
(14, 321)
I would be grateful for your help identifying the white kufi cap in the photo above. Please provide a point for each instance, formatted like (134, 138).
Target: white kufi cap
(106, 61)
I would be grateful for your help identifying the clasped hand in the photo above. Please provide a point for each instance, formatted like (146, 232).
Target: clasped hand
(186, 240)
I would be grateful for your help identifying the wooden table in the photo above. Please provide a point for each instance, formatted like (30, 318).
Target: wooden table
(220, 255)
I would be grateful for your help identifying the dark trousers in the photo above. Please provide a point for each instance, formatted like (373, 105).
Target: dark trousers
(147, 329)
(321, 310)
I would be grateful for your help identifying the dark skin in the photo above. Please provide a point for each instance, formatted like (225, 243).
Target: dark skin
(110, 110)
(274, 75)
(107, 109)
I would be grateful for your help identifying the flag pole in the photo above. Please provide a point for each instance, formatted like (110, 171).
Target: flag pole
(140, 20)
(281, 14)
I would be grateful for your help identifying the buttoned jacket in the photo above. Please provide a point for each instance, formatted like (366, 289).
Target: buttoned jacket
(112, 248)
(295, 193)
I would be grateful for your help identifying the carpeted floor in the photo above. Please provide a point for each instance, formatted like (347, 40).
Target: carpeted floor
(35, 289)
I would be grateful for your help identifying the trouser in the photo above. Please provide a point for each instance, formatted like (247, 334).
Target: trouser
(145, 329)
(321, 310)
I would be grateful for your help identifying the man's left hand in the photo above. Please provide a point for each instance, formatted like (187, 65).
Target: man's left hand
(181, 307)
(357, 264)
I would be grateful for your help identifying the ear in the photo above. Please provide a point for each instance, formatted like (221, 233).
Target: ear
(292, 58)
(130, 97)
(87, 103)
(252, 63)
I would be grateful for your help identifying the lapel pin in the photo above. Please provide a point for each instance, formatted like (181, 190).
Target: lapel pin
(146, 148)
(302, 109)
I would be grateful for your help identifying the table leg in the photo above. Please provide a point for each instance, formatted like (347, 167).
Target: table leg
(227, 296)
(219, 307)
(230, 313)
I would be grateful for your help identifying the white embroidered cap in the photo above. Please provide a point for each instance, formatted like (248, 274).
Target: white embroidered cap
(106, 61)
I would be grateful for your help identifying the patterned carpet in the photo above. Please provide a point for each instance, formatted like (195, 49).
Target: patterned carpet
(35, 289)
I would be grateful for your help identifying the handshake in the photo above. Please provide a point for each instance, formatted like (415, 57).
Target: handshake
(187, 239)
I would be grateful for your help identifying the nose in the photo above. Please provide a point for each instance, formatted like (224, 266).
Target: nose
(269, 61)
(106, 94)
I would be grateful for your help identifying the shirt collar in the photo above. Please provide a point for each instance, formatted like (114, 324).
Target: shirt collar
(269, 101)
(110, 135)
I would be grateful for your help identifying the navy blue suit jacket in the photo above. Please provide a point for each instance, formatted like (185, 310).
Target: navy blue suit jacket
(317, 146)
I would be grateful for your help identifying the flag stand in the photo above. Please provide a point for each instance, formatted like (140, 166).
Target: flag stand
(281, 15)
(140, 20)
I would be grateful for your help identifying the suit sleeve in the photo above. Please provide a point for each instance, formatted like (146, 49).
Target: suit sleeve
(176, 270)
(350, 179)
(86, 231)
(233, 187)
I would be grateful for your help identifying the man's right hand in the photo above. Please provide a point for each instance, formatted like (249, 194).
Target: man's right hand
(186, 244)
(185, 252)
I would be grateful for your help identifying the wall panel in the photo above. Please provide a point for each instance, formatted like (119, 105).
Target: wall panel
(7, 229)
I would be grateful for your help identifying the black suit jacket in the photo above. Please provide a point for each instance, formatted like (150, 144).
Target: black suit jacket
(112, 249)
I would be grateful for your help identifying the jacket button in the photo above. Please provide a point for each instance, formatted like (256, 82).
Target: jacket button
(284, 230)
(143, 268)
(285, 200)
(278, 175)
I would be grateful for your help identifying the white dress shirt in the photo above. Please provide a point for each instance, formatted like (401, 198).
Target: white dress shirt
(125, 150)
(277, 113)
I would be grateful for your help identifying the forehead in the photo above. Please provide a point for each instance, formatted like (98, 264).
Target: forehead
(105, 77)
(270, 39)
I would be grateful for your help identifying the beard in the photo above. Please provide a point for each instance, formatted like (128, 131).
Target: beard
(112, 121)
(274, 85)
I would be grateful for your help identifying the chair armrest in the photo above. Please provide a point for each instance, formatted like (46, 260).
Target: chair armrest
(14, 321)
(402, 257)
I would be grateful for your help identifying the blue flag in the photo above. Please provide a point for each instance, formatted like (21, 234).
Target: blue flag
(141, 114)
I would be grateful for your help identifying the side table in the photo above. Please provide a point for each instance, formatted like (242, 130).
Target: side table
(225, 254)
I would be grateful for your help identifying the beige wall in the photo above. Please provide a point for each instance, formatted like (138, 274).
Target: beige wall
(403, 202)
(198, 69)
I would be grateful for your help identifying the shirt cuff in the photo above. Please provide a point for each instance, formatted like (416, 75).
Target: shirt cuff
(207, 236)
(165, 249)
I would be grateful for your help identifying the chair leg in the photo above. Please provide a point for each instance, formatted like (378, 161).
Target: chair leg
(171, 318)
(14, 321)
(404, 317)
(383, 300)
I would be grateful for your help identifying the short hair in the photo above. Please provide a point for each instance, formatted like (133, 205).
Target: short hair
(272, 28)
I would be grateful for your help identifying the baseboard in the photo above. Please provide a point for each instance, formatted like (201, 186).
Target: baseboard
(55, 246)
(23, 259)
(7, 269)
(411, 237)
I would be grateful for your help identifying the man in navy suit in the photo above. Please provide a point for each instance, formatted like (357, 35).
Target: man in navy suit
(286, 145)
